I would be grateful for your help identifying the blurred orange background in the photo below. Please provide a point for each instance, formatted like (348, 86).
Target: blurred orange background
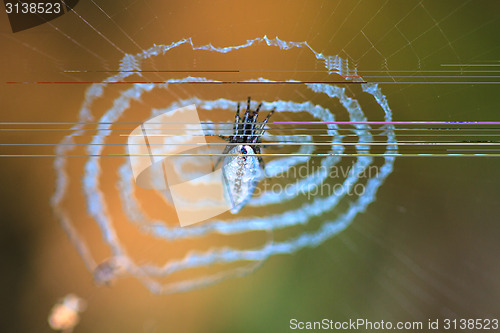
(426, 248)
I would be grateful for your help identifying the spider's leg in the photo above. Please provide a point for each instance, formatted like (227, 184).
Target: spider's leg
(226, 150)
(248, 104)
(237, 126)
(255, 126)
(267, 118)
(225, 137)
(259, 158)
(261, 128)
(262, 163)
(256, 112)
(246, 124)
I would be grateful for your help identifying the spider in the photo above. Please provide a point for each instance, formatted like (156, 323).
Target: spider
(243, 167)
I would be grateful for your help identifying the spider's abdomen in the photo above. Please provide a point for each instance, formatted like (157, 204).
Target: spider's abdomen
(241, 174)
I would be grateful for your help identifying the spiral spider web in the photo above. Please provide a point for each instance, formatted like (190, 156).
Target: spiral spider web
(280, 217)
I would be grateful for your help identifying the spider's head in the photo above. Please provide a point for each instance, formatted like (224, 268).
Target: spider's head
(245, 149)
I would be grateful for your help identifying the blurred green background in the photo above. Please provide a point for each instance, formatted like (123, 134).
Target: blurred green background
(426, 248)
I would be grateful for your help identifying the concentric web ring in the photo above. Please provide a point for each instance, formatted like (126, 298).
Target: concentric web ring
(318, 218)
